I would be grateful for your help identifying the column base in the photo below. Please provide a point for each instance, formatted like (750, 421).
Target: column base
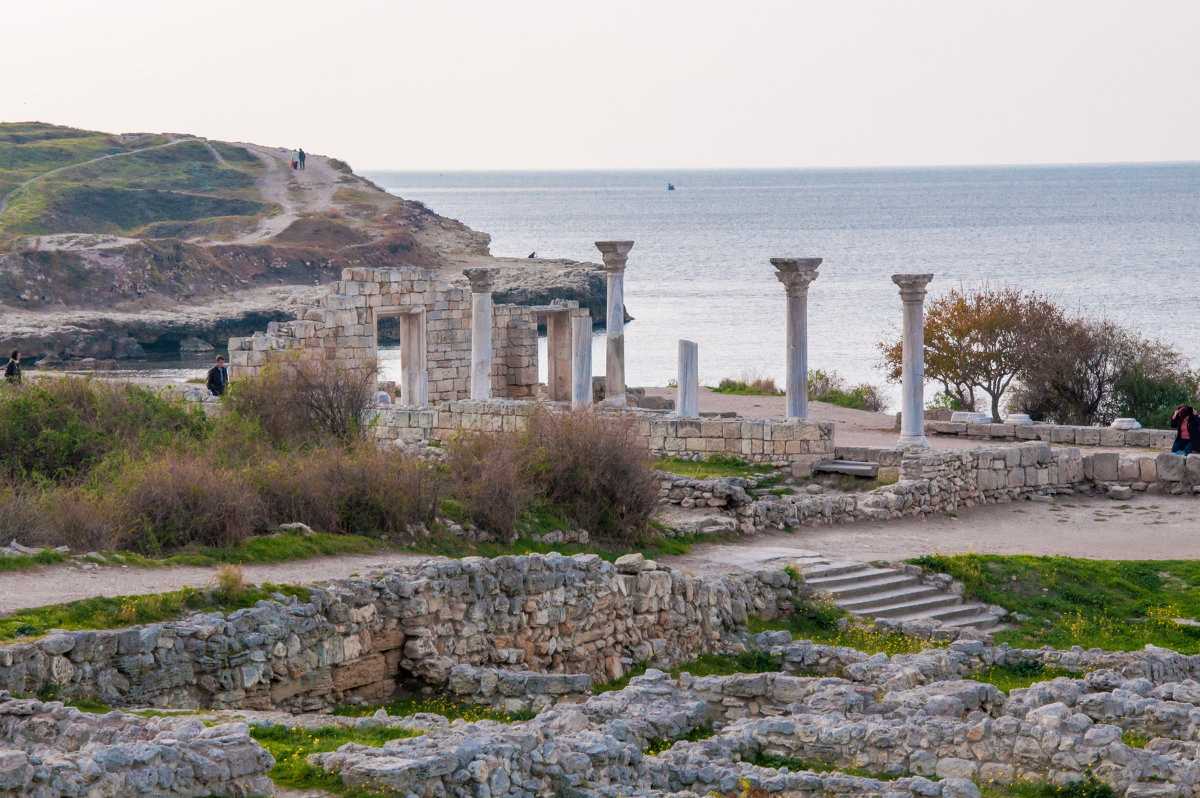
(912, 442)
(620, 400)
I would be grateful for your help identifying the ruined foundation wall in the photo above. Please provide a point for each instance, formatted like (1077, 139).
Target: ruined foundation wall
(362, 639)
(1055, 433)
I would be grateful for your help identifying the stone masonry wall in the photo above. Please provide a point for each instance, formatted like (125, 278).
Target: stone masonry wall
(784, 443)
(342, 326)
(361, 639)
(1056, 433)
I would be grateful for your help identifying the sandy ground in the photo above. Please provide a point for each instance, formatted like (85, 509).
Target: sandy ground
(59, 583)
(1143, 528)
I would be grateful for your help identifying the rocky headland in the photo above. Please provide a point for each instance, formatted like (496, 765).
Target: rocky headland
(118, 246)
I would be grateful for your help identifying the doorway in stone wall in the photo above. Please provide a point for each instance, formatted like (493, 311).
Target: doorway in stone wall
(414, 366)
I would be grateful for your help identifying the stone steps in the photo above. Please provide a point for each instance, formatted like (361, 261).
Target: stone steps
(882, 592)
(852, 467)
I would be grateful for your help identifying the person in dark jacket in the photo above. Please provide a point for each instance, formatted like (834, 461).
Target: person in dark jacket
(12, 372)
(218, 377)
(1187, 430)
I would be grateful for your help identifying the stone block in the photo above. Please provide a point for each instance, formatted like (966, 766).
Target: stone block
(358, 672)
(1105, 466)
(1112, 437)
(1171, 467)
(1192, 469)
(1087, 436)
(1129, 468)
(1147, 469)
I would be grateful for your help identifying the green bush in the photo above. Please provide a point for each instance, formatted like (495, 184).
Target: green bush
(60, 429)
(1153, 401)
(829, 387)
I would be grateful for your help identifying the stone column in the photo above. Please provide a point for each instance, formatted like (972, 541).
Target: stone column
(481, 331)
(558, 355)
(796, 274)
(581, 361)
(615, 254)
(912, 387)
(687, 400)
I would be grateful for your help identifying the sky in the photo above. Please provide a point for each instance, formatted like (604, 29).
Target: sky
(641, 84)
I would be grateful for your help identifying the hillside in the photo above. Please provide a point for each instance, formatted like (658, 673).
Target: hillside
(97, 229)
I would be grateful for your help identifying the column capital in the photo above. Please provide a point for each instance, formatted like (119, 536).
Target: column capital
(912, 286)
(481, 279)
(615, 254)
(796, 273)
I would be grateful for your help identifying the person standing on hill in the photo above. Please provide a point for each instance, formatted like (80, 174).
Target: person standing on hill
(302, 157)
(1187, 430)
(218, 377)
(12, 372)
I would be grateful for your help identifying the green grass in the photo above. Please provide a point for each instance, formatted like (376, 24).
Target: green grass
(22, 562)
(103, 612)
(281, 547)
(291, 745)
(447, 707)
(656, 746)
(818, 621)
(1012, 677)
(1117, 605)
(1088, 788)
(717, 465)
(764, 760)
(1134, 740)
(747, 387)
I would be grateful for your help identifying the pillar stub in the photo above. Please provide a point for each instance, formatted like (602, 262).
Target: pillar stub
(912, 286)
(796, 273)
(481, 279)
(615, 254)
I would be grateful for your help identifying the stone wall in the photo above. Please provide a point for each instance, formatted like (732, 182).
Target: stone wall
(798, 444)
(362, 639)
(342, 326)
(1056, 433)
(47, 749)
(1162, 473)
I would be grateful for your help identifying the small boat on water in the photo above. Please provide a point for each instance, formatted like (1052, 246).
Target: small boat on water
(670, 186)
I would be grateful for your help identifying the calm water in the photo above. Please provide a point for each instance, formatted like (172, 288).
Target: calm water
(1121, 240)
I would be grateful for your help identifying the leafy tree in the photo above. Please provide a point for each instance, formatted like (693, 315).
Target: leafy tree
(980, 340)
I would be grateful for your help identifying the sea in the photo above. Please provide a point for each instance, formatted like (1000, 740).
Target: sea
(1121, 241)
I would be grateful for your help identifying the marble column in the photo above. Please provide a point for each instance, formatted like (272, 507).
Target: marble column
(687, 400)
(581, 361)
(615, 254)
(481, 331)
(414, 366)
(796, 274)
(912, 386)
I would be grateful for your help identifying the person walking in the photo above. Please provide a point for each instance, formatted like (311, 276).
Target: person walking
(1187, 430)
(12, 372)
(218, 377)
(295, 160)
(302, 157)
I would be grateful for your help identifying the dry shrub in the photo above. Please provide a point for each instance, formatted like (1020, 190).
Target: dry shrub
(179, 499)
(362, 490)
(73, 518)
(21, 518)
(595, 468)
(306, 400)
(231, 583)
(488, 475)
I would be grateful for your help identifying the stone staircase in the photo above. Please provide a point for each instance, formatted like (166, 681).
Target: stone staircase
(872, 592)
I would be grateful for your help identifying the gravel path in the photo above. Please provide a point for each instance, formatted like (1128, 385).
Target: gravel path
(58, 583)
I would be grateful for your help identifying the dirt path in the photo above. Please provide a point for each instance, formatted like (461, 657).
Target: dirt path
(295, 190)
(60, 583)
(172, 143)
(1144, 528)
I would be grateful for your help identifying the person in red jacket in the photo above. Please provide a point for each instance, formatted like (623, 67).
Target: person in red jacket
(1187, 429)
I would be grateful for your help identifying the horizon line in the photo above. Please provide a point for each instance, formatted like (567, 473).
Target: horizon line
(864, 167)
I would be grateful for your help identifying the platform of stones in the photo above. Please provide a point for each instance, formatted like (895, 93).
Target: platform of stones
(536, 632)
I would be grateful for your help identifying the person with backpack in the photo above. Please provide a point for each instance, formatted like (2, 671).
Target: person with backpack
(218, 378)
(12, 372)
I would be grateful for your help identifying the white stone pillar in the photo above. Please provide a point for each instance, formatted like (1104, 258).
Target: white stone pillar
(414, 370)
(615, 254)
(687, 400)
(796, 274)
(912, 387)
(581, 361)
(481, 331)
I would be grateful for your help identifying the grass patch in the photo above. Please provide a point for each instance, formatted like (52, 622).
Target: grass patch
(747, 387)
(1022, 674)
(764, 760)
(103, 612)
(717, 465)
(822, 623)
(89, 704)
(447, 707)
(282, 547)
(23, 562)
(291, 746)
(658, 745)
(1135, 740)
(1087, 788)
(1117, 605)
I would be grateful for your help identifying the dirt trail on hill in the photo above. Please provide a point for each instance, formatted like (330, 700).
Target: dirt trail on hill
(295, 190)
(172, 143)
(60, 583)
